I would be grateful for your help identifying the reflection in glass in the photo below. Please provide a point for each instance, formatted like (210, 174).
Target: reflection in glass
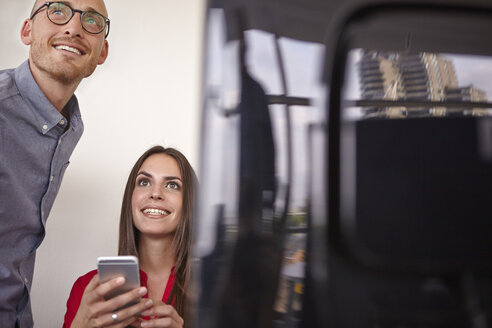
(414, 84)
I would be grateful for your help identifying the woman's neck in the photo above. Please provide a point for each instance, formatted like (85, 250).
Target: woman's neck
(156, 256)
(156, 260)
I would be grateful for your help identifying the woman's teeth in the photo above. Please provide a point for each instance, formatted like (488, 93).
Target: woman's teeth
(155, 211)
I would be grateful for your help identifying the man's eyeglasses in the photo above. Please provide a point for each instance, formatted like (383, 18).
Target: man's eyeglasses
(60, 13)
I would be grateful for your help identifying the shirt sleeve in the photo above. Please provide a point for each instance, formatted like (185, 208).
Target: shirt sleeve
(75, 297)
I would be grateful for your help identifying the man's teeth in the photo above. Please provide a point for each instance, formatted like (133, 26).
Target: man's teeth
(67, 48)
(155, 211)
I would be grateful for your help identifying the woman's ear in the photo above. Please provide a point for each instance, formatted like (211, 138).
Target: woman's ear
(26, 31)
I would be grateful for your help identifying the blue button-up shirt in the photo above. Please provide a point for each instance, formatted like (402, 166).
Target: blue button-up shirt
(35, 147)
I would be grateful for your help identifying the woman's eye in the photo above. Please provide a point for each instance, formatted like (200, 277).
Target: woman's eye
(173, 185)
(143, 182)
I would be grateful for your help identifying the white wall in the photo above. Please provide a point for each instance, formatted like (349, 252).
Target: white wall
(146, 93)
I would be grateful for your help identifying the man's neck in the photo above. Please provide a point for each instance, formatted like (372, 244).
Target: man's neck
(56, 92)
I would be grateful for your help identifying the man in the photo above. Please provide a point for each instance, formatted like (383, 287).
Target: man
(40, 125)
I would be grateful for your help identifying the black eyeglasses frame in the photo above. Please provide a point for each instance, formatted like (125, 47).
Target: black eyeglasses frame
(81, 12)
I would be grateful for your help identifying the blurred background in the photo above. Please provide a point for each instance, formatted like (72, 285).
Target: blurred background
(146, 93)
(346, 165)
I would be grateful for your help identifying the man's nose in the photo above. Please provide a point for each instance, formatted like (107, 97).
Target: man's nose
(74, 26)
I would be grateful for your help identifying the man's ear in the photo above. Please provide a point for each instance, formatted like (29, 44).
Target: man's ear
(104, 53)
(26, 31)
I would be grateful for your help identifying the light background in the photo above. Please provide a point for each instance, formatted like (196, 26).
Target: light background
(146, 93)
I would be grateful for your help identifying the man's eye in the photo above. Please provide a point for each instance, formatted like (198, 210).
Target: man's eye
(57, 12)
(93, 19)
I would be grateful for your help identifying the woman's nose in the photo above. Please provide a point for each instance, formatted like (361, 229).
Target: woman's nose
(156, 194)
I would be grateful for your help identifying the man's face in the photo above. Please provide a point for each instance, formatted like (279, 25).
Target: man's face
(67, 53)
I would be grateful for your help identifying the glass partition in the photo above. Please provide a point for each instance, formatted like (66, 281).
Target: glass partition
(262, 95)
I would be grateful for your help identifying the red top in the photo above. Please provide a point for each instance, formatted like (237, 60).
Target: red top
(78, 289)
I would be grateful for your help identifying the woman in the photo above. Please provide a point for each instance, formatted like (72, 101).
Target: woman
(155, 226)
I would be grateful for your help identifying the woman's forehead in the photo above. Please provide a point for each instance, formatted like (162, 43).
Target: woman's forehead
(161, 164)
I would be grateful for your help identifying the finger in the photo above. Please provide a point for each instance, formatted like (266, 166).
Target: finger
(122, 323)
(163, 310)
(121, 300)
(110, 285)
(97, 294)
(166, 322)
(135, 310)
(159, 309)
(166, 310)
(92, 284)
(135, 323)
(126, 316)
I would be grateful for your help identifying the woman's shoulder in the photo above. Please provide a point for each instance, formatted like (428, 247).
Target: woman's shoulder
(75, 297)
(85, 279)
(88, 275)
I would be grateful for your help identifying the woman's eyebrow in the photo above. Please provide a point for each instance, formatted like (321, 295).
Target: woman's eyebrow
(144, 173)
(168, 178)
(173, 178)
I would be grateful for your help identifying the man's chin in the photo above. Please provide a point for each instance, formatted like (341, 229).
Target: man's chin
(65, 76)
(65, 71)
(67, 80)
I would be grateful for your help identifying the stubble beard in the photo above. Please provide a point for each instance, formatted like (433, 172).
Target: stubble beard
(63, 71)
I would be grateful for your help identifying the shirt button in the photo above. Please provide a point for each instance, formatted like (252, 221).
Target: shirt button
(26, 280)
(62, 122)
(45, 127)
(59, 141)
(51, 178)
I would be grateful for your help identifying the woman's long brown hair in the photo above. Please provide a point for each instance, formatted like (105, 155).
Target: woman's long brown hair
(129, 235)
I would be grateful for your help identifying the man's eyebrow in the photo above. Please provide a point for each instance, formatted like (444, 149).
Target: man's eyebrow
(85, 9)
(68, 3)
(92, 9)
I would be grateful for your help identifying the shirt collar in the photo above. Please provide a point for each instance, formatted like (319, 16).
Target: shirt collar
(47, 116)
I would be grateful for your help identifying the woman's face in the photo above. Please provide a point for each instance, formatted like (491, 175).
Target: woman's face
(157, 199)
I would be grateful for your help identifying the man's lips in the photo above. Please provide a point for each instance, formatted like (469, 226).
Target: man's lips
(69, 47)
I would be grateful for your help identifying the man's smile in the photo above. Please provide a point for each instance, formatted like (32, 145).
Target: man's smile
(70, 49)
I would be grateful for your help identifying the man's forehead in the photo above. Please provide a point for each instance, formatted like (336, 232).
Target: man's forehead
(96, 5)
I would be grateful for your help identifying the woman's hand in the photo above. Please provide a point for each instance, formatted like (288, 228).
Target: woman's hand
(95, 311)
(162, 315)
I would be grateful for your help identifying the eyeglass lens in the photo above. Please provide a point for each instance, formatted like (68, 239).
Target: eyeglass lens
(60, 13)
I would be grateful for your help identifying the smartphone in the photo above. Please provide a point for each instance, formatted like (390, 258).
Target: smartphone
(110, 267)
